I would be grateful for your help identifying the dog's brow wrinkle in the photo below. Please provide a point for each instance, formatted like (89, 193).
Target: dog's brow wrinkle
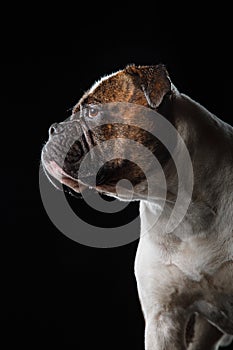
(96, 101)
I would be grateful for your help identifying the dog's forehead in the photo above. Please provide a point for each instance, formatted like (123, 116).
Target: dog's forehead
(108, 80)
(116, 87)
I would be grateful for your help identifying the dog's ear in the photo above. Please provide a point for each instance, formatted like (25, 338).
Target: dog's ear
(153, 80)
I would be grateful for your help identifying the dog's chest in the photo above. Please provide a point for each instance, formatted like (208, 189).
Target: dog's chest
(193, 253)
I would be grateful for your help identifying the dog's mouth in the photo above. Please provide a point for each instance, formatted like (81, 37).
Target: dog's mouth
(58, 176)
(55, 172)
(105, 179)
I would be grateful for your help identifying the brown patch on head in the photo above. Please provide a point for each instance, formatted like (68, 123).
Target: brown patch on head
(143, 85)
(119, 87)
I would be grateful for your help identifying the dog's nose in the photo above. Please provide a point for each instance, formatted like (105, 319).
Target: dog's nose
(55, 128)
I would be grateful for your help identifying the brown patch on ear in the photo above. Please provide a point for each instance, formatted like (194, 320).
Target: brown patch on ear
(153, 80)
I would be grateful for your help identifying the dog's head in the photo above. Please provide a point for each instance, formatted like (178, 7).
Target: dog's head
(115, 108)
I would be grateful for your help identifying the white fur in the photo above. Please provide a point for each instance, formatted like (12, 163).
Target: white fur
(191, 269)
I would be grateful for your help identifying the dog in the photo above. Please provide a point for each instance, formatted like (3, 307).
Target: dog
(184, 277)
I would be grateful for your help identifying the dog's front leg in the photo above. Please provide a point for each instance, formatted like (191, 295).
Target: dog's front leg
(165, 330)
(164, 295)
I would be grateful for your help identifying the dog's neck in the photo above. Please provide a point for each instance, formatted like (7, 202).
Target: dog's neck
(197, 126)
(214, 138)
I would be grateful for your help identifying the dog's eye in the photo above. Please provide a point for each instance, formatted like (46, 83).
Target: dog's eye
(93, 111)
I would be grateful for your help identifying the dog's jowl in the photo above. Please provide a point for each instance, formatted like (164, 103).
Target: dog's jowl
(184, 277)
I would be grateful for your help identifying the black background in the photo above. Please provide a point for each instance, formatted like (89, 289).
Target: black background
(56, 292)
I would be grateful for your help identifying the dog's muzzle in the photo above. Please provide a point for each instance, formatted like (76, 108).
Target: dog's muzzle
(68, 143)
